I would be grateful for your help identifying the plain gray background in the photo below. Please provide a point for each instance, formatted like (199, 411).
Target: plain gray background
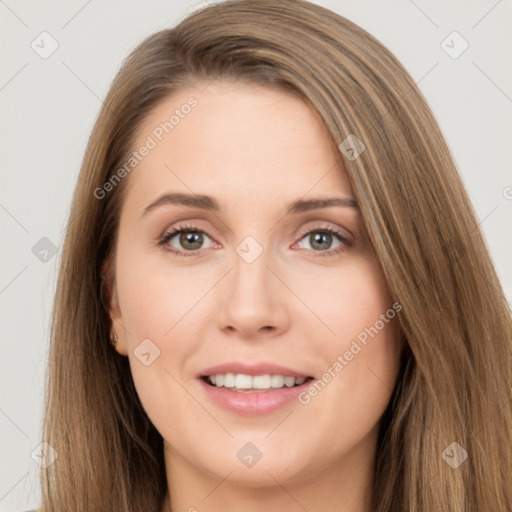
(48, 107)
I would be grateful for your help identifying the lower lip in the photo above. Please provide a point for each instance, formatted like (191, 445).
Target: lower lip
(254, 403)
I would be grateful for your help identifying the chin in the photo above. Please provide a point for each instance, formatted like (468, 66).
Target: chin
(271, 467)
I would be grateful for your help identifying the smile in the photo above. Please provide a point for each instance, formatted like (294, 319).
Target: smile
(253, 383)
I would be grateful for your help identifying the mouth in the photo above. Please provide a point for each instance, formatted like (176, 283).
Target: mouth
(243, 383)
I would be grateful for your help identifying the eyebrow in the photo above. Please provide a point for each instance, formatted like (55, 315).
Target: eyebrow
(209, 203)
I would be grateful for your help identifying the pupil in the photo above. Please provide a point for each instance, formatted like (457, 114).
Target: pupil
(192, 237)
(318, 237)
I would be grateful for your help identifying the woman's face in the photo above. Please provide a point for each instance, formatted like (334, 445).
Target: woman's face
(257, 288)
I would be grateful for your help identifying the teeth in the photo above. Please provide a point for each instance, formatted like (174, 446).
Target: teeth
(289, 381)
(277, 381)
(240, 381)
(229, 380)
(262, 382)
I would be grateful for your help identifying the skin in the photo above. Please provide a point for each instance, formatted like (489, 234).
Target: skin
(254, 149)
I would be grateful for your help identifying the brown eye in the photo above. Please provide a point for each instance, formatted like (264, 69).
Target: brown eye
(191, 240)
(320, 240)
(184, 239)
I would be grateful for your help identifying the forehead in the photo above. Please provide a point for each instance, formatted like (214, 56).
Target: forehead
(239, 140)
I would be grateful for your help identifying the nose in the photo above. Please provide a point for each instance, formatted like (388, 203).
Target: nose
(253, 299)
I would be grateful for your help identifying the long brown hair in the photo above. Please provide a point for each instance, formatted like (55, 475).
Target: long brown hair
(455, 381)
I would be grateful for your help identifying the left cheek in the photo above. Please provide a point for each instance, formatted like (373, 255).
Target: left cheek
(381, 356)
(353, 301)
(368, 379)
(352, 306)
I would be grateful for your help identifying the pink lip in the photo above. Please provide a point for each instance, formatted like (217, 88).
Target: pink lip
(253, 403)
(252, 369)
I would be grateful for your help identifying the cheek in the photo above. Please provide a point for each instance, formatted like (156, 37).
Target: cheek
(350, 300)
(156, 312)
(361, 355)
(153, 296)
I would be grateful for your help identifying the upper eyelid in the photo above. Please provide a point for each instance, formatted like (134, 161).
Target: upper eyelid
(320, 226)
(311, 226)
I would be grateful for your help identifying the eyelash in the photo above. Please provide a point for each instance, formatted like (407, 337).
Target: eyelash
(183, 228)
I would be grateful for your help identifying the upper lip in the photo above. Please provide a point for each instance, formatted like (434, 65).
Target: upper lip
(262, 368)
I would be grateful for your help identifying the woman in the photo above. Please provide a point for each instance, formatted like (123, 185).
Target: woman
(335, 337)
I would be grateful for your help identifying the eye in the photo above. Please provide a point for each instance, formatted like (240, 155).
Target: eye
(189, 237)
(321, 238)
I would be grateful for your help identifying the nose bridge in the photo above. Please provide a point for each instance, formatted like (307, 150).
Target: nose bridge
(251, 301)
(250, 273)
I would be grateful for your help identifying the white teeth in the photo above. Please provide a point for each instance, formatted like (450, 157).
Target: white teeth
(229, 380)
(261, 382)
(241, 381)
(277, 381)
(289, 381)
